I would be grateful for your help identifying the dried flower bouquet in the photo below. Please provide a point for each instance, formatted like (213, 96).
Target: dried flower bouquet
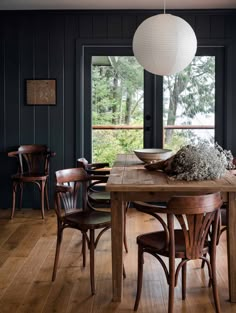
(202, 161)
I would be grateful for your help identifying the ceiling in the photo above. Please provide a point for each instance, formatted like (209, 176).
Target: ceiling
(114, 4)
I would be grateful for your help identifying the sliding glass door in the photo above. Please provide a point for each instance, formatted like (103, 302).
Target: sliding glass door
(127, 108)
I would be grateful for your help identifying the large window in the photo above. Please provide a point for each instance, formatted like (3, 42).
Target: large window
(189, 104)
(117, 106)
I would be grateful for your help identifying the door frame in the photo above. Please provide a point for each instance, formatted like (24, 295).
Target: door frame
(153, 93)
(85, 49)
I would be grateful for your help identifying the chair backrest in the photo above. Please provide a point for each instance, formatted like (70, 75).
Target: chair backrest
(34, 159)
(197, 216)
(68, 184)
(83, 163)
(100, 168)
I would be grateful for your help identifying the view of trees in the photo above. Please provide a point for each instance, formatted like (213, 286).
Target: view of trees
(117, 93)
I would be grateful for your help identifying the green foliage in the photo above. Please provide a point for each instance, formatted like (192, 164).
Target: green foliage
(107, 144)
(117, 93)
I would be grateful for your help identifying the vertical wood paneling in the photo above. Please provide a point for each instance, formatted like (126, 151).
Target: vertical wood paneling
(86, 26)
(100, 26)
(26, 50)
(5, 164)
(129, 26)
(41, 71)
(217, 26)
(203, 26)
(114, 26)
(57, 113)
(2, 94)
(71, 32)
(12, 69)
(42, 45)
(191, 20)
(141, 17)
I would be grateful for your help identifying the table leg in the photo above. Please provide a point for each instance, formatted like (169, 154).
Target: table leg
(117, 235)
(231, 239)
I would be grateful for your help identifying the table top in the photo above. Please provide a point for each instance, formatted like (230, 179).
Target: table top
(129, 175)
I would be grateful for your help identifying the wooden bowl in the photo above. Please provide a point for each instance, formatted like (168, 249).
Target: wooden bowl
(148, 155)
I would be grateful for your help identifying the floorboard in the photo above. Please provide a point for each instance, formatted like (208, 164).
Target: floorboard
(27, 247)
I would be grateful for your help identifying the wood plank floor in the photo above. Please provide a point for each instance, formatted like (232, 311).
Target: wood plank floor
(27, 247)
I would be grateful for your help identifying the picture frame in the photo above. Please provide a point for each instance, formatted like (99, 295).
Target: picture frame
(40, 92)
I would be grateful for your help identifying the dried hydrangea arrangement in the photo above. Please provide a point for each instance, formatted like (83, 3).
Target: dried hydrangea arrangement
(199, 162)
(202, 161)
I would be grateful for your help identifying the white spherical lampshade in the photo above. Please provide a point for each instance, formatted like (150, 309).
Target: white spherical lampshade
(164, 44)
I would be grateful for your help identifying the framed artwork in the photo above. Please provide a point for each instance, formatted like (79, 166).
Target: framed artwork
(40, 91)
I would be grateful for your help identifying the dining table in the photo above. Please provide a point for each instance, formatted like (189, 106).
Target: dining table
(129, 180)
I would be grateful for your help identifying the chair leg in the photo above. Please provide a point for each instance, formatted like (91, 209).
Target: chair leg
(46, 195)
(42, 197)
(84, 249)
(92, 248)
(140, 277)
(171, 297)
(184, 271)
(21, 195)
(214, 284)
(14, 191)
(171, 282)
(58, 247)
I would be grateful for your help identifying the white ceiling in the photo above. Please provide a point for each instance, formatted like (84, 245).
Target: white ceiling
(114, 4)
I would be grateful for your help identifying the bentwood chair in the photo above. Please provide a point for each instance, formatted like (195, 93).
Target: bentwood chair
(196, 216)
(33, 167)
(68, 184)
(97, 195)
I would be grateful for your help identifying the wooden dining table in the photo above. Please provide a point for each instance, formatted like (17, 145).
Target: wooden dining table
(130, 181)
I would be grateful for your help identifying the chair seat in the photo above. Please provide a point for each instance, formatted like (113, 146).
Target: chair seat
(101, 196)
(156, 242)
(29, 177)
(89, 220)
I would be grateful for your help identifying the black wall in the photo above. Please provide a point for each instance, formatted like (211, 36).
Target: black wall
(42, 44)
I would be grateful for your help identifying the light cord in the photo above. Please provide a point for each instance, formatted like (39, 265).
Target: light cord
(164, 6)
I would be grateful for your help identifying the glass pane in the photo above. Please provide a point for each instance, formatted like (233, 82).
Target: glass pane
(117, 107)
(189, 104)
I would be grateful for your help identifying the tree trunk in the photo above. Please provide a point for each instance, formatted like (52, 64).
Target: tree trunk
(179, 86)
(114, 97)
(128, 108)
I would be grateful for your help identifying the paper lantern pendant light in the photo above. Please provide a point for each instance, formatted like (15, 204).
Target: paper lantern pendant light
(164, 44)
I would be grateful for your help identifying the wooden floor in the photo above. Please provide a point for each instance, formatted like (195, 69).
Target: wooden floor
(27, 247)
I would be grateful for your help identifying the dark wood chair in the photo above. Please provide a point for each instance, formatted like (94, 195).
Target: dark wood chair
(33, 167)
(97, 194)
(196, 215)
(86, 220)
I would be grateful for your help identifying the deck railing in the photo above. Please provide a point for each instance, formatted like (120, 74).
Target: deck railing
(111, 127)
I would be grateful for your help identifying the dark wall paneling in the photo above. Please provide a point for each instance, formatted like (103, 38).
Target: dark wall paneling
(129, 26)
(27, 113)
(26, 50)
(41, 71)
(86, 26)
(115, 26)
(71, 32)
(191, 20)
(12, 68)
(217, 28)
(5, 182)
(100, 26)
(2, 95)
(42, 45)
(57, 125)
(202, 26)
(142, 17)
